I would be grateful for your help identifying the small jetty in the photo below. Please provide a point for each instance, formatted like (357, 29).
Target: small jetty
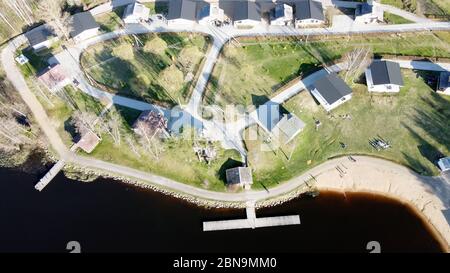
(50, 175)
(251, 221)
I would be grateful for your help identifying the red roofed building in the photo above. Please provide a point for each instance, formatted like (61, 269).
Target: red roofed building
(54, 77)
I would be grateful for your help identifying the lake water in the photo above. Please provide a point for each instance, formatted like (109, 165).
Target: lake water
(109, 216)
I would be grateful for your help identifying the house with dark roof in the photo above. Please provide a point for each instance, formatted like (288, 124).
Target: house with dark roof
(444, 83)
(209, 12)
(41, 37)
(384, 76)
(331, 91)
(242, 13)
(367, 13)
(308, 13)
(83, 26)
(239, 177)
(135, 13)
(182, 12)
(282, 15)
(277, 121)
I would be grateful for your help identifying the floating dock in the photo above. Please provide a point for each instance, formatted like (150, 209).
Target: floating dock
(251, 221)
(50, 175)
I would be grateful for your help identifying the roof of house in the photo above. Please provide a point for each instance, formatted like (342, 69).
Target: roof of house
(182, 9)
(39, 34)
(280, 10)
(385, 72)
(290, 125)
(332, 88)
(88, 142)
(239, 175)
(203, 10)
(52, 76)
(242, 10)
(444, 80)
(444, 163)
(308, 9)
(136, 9)
(81, 22)
(269, 114)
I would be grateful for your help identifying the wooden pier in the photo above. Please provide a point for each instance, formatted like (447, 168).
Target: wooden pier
(50, 175)
(251, 221)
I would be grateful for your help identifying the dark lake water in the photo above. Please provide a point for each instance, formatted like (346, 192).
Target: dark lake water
(108, 216)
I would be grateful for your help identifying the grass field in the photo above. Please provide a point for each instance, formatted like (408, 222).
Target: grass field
(110, 21)
(415, 122)
(254, 69)
(431, 8)
(157, 68)
(395, 19)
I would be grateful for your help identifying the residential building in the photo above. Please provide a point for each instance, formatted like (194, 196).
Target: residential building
(150, 124)
(308, 13)
(41, 37)
(135, 13)
(331, 91)
(208, 13)
(83, 26)
(282, 15)
(54, 77)
(444, 83)
(368, 13)
(182, 12)
(384, 76)
(88, 141)
(242, 13)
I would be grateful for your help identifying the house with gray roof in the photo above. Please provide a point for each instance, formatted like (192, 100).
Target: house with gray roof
(239, 176)
(242, 13)
(308, 13)
(277, 121)
(182, 12)
(384, 76)
(83, 26)
(41, 37)
(135, 13)
(331, 91)
(444, 83)
(282, 15)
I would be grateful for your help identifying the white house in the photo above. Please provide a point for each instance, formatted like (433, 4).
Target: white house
(368, 13)
(83, 26)
(207, 13)
(384, 76)
(41, 37)
(444, 164)
(242, 13)
(182, 13)
(308, 13)
(444, 83)
(135, 13)
(331, 91)
(282, 15)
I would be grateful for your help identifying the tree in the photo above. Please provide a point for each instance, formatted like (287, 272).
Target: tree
(83, 122)
(51, 11)
(112, 126)
(357, 60)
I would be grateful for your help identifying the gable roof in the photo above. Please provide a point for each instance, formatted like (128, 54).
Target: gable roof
(290, 125)
(332, 88)
(39, 34)
(308, 9)
(136, 9)
(444, 80)
(241, 10)
(182, 9)
(81, 22)
(385, 72)
(239, 175)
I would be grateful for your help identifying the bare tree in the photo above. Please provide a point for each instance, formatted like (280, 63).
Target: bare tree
(131, 142)
(357, 60)
(51, 11)
(112, 126)
(83, 122)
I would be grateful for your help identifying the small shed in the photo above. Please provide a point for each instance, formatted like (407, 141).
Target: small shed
(239, 176)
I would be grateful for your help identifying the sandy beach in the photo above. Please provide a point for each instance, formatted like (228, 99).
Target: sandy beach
(429, 195)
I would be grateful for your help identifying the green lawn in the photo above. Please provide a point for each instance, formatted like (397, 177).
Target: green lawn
(257, 69)
(439, 9)
(415, 122)
(158, 7)
(395, 19)
(157, 68)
